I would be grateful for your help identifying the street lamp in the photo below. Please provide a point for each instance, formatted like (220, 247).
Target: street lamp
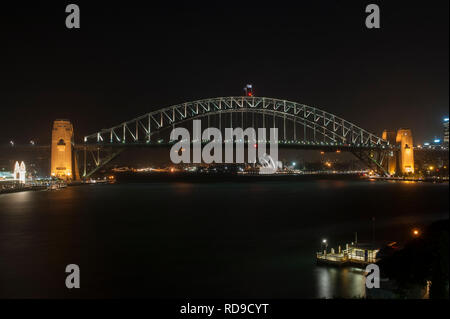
(324, 242)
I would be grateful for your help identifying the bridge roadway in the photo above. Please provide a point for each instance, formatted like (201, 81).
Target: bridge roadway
(326, 147)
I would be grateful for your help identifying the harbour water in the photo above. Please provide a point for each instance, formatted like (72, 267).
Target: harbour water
(208, 240)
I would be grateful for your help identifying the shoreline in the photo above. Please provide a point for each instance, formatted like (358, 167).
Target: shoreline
(24, 189)
(217, 177)
(131, 177)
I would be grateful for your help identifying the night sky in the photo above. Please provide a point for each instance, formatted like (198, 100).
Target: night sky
(131, 58)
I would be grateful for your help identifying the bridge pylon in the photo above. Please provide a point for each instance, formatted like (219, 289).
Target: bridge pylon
(63, 165)
(405, 141)
(401, 160)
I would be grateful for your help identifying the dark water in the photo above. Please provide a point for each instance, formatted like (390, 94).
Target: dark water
(184, 240)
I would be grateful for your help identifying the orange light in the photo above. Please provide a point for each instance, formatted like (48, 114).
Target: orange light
(338, 151)
(172, 170)
(416, 232)
(322, 152)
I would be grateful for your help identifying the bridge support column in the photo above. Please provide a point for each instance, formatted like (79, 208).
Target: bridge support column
(273, 119)
(304, 131)
(84, 172)
(231, 120)
(149, 129)
(295, 130)
(374, 159)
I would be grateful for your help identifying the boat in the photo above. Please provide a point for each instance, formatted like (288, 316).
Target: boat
(53, 187)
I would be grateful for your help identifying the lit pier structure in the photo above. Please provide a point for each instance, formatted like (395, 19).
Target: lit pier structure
(355, 254)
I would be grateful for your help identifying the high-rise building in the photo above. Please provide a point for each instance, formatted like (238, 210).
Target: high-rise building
(446, 131)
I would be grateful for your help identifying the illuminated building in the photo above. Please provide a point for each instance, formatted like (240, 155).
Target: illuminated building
(446, 131)
(363, 252)
(62, 139)
(406, 160)
(20, 172)
(354, 254)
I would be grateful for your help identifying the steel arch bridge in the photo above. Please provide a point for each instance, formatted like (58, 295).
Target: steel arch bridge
(317, 127)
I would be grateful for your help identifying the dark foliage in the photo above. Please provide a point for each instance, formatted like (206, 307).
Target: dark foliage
(422, 259)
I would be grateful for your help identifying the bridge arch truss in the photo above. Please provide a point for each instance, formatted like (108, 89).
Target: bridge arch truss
(322, 124)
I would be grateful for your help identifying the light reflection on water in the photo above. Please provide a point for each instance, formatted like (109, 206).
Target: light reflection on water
(201, 240)
(345, 282)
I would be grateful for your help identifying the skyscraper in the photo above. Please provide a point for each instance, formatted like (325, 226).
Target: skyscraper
(446, 131)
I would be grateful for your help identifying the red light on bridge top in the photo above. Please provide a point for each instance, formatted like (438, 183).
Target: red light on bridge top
(248, 90)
